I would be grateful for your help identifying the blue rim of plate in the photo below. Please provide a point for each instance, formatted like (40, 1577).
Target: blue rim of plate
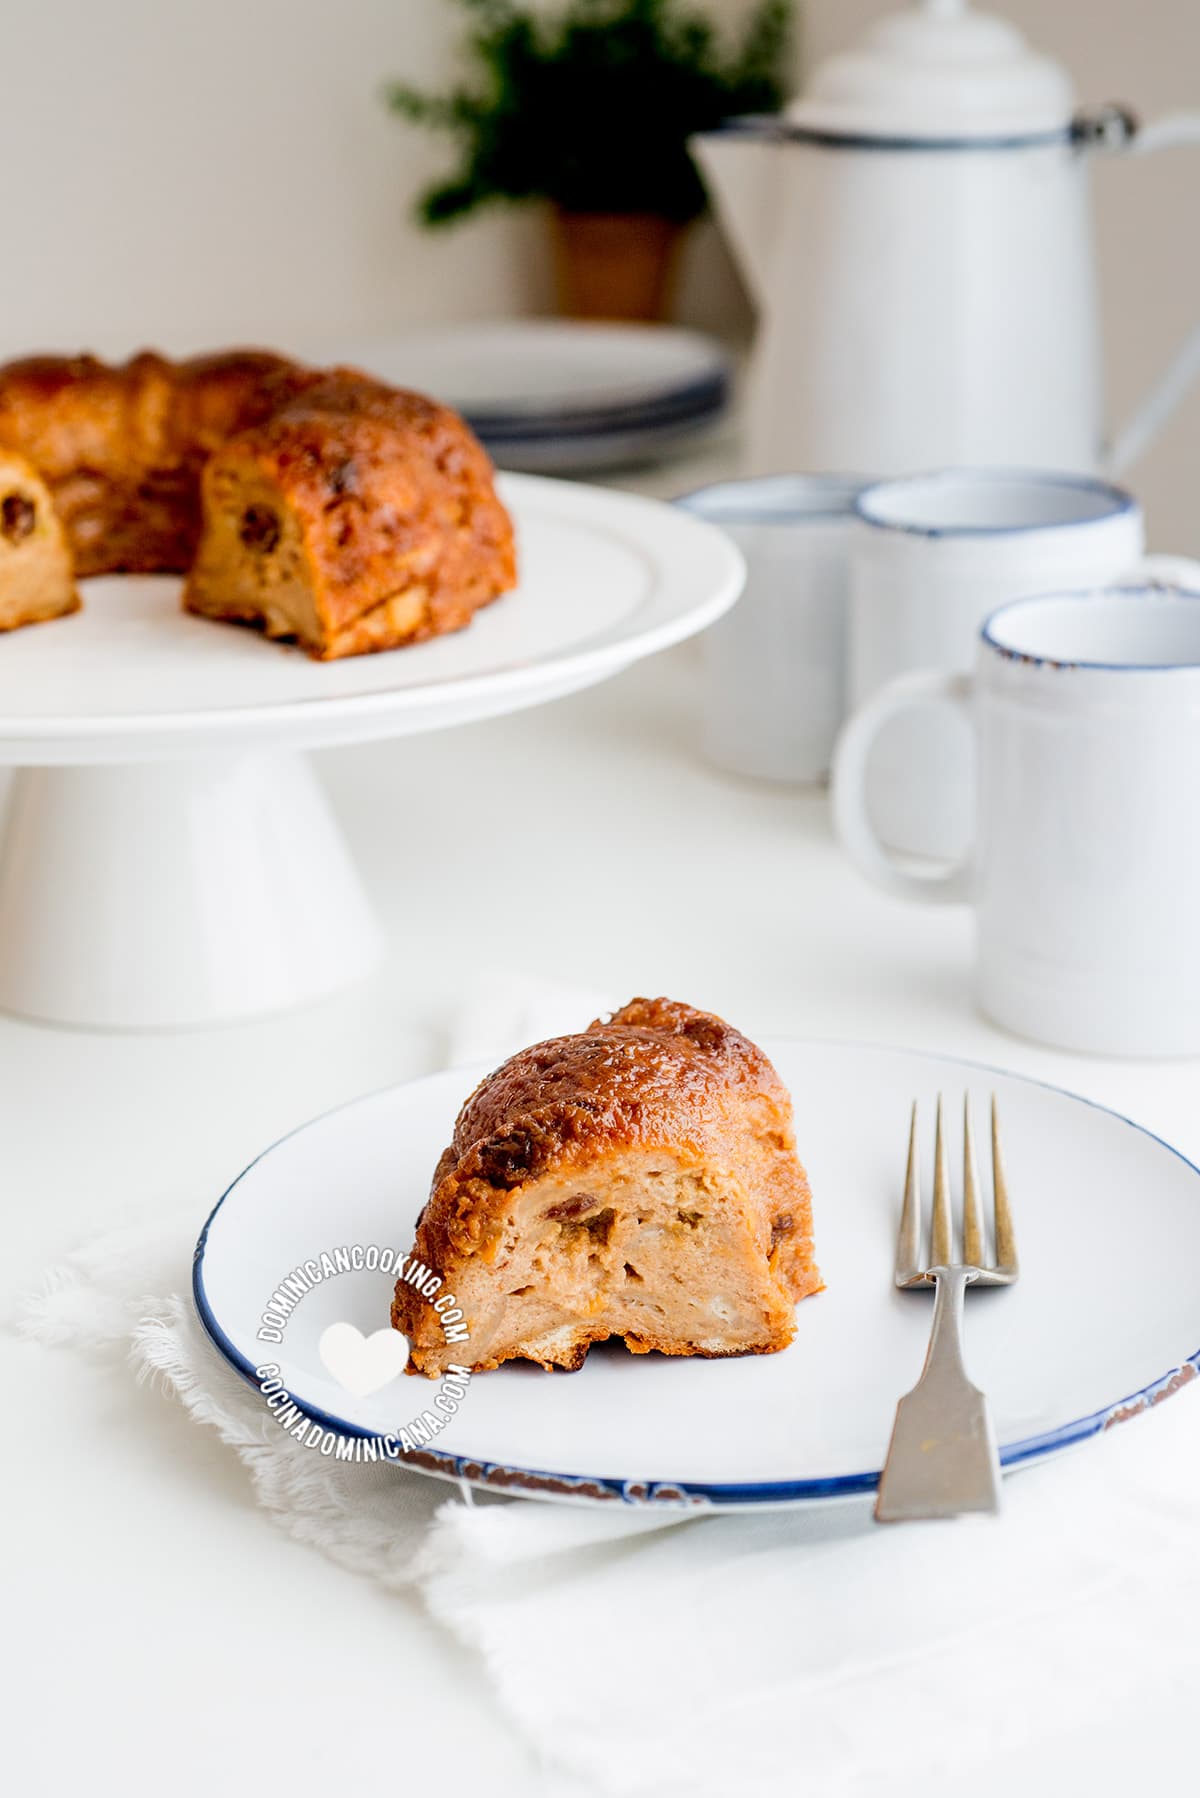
(697, 1494)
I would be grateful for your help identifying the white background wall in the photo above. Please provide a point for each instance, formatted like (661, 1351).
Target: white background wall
(195, 171)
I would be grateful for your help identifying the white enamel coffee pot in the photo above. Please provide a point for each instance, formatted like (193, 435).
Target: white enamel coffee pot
(917, 233)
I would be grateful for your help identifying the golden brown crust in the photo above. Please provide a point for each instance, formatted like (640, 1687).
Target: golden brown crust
(405, 536)
(217, 395)
(658, 1093)
(121, 446)
(657, 1071)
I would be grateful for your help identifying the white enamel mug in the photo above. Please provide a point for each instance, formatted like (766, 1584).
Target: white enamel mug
(1085, 868)
(775, 665)
(931, 557)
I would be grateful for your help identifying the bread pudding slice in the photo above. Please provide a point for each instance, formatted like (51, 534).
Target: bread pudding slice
(36, 581)
(637, 1180)
(358, 517)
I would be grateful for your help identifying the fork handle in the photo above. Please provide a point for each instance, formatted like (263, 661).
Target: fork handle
(942, 1460)
(945, 1359)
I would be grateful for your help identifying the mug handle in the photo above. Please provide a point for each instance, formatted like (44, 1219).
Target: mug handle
(946, 886)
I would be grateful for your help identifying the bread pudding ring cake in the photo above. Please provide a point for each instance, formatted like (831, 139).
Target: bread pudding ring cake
(121, 446)
(321, 506)
(638, 1180)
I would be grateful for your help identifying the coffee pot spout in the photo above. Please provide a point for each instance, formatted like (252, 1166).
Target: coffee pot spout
(742, 165)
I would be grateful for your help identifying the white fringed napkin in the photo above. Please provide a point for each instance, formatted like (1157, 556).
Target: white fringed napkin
(693, 1658)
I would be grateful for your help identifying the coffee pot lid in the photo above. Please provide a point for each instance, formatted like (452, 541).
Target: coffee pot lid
(937, 71)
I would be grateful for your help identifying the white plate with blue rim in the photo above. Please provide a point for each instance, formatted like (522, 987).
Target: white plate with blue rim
(553, 396)
(1077, 1346)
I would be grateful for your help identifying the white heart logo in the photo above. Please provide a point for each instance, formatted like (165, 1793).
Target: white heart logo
(362, 1364)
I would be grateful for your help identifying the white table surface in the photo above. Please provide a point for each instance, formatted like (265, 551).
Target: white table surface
(159, 1631)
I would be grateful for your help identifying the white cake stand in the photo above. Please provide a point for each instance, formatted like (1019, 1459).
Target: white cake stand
(169, 857)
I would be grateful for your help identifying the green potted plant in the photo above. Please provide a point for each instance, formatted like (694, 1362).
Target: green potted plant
(590, 108)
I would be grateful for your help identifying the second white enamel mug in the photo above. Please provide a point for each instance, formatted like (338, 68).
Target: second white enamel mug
(930, 557)
(1085, 868)
(775, 666)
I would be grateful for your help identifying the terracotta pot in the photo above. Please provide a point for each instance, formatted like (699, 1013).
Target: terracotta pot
(615, 264)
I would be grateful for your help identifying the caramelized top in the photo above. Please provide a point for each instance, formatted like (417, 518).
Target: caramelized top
(320, 439)
(658, 1073)
(75, 413)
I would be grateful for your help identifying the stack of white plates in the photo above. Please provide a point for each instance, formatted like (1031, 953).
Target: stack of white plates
(551, 397)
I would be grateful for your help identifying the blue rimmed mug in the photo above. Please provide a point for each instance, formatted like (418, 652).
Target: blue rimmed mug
(931, 556)
(1084, 871)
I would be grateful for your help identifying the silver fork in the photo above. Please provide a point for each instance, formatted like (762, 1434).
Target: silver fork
(942, 1459)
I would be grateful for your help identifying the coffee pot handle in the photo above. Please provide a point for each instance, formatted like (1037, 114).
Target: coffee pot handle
(1116, 128)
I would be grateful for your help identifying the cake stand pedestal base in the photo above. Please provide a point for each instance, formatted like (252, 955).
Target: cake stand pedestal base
(161, 895)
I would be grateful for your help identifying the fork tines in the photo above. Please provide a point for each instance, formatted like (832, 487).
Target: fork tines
(911, 1270)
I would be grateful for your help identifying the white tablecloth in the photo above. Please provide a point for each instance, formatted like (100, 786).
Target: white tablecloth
(190, 1638)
